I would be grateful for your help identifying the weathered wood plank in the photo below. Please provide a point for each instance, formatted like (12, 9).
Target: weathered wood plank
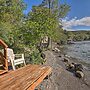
(3, 71)
(16, 73)
(27, 77)
(39, 80)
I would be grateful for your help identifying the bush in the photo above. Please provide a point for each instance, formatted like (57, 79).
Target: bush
(36, 57)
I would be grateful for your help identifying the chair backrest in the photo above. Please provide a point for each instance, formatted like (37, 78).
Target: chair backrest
(20, 59)
(10, 54)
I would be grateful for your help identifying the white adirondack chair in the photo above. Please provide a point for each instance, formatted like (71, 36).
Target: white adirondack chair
(15, 59)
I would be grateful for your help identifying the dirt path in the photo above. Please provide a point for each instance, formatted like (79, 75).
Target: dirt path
(60, 79)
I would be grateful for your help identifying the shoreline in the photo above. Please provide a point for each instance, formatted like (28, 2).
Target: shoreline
(85, 64)
(61, 79)
(76, 60)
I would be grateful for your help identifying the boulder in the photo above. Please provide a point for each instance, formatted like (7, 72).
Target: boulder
(78, 67)
(79, 74)
(66, 60)
(56, 49)
(70, 67)
(43, 55)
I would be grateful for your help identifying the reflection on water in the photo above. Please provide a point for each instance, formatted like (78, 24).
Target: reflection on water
(79, 50)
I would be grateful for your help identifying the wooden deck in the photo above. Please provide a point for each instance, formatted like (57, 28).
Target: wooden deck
(3, 71)
(25, 78)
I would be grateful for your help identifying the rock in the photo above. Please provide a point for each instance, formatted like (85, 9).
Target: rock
(58, 43)
(70, 67)
(40, 49)
(56, 49)
(79, 74)
(59, 56)
(67, 56)
(78, 67)
(66, 60)
(43, 55)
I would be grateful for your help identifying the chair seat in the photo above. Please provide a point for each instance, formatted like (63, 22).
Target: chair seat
(18, 61)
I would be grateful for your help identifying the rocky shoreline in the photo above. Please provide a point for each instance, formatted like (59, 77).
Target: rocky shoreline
(62, 79)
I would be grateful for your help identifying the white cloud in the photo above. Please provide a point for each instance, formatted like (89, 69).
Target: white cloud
(68, 24)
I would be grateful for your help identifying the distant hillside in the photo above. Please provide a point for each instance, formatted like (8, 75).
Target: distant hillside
(79, 35)
(84, 31)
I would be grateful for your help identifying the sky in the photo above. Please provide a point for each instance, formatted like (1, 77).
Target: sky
(78, 18)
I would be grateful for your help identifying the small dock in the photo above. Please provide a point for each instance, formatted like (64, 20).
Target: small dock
(25, 78)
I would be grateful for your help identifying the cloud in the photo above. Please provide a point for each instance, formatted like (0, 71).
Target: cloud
(68, 24)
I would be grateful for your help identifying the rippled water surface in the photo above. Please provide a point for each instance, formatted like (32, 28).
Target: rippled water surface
(79, 50)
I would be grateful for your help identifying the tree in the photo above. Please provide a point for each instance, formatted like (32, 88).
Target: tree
(11, 10)
(19, 32)
(60, 10)
(11, 13)
(38, 24)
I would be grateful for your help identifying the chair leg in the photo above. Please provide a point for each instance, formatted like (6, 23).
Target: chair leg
(13, 66)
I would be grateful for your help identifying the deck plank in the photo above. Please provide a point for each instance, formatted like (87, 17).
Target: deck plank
(24, 78)
(2, 71)
(16, 73)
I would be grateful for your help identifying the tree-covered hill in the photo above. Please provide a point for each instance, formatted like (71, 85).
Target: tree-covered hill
(79, 35)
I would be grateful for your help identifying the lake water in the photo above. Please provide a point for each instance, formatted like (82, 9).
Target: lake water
(79, 50)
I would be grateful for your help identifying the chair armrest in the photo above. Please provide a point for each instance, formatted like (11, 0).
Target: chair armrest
(19, 56)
